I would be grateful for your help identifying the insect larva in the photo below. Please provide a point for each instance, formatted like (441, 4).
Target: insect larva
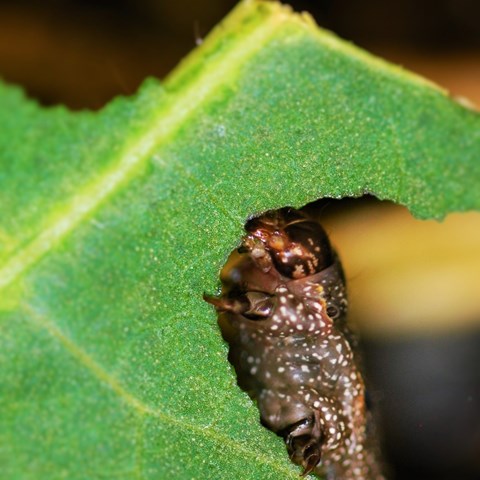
(283, 312)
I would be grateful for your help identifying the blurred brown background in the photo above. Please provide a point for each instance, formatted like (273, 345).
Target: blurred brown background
(84, 52)
(423, 355)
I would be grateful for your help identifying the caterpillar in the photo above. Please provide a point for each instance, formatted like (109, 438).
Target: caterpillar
(283, 312)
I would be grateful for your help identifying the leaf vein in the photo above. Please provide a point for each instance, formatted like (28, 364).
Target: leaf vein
(180, 107)
(131, 400)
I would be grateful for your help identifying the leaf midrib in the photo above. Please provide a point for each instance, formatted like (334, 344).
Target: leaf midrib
(180, 106)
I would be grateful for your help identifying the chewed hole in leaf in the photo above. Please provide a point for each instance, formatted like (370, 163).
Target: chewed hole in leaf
(393, 264)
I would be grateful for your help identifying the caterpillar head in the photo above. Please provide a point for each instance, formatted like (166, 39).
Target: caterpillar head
(289, 241)
(278, 286)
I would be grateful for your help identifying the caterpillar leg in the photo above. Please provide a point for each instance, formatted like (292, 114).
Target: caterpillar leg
(305, 442)
(311, 425)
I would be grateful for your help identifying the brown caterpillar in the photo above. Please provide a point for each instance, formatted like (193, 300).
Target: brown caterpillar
(283, 312)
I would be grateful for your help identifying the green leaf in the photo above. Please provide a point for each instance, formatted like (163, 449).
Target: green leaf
(114, 223)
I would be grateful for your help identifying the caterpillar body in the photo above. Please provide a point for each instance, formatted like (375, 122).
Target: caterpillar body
(283, 312)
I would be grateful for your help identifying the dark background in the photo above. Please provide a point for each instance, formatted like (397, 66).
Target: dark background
(84, 53)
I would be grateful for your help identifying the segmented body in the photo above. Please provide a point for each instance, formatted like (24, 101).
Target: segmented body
(283, 312)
